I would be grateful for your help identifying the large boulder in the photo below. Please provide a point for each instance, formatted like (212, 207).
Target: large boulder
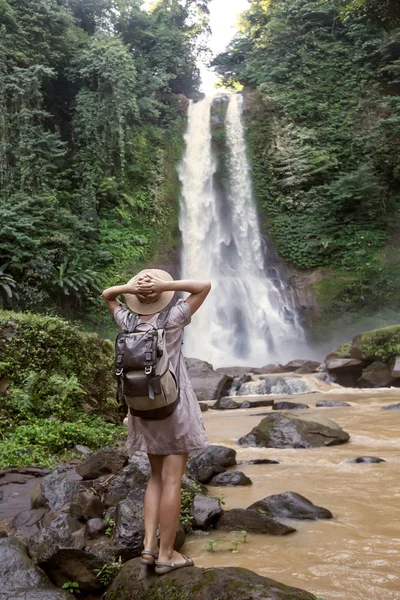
(286, 430)
(211, 461)
(130, 482)
(230, 479)
(199, 584)
(73, 564)
(226, 403)
(20, 578)
(107, 461)
(207, 383)
(301, 366)
(240, 519)
(205, 511)
(27, 522)
(86, 505)
(63, 532)
(127, 539)
(378, 344)
(55, 490)
(290, 505)
(377, 374)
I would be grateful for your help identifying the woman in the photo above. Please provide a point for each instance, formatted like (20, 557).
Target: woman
(169, 441)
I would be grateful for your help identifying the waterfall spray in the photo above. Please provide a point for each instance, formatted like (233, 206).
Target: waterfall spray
(246, 320)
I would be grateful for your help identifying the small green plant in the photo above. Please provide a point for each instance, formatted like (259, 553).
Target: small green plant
(235, 544)
(109, 571)
(110, 525)
(245, 536)
(72, 587)
(211, 545)
(221, 499)
(187, 497)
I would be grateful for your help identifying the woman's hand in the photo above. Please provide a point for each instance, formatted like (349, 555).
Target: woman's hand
(150, 284)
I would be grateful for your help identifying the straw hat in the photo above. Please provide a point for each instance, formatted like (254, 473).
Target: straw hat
(165, 298)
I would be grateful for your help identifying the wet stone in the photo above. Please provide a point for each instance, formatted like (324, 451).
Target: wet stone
(240, 519)
(104, 462)
(95, 527)
(368, 459)
(205, 511)
(392, 407)
(289, 406)
(331, 404)
(211, 461)
(230, 479)
(290, 505)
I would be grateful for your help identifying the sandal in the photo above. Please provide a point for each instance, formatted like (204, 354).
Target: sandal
(162, 568)
(149, 561)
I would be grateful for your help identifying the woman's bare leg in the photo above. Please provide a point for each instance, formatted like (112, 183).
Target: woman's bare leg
(173, 468)
(152, 501)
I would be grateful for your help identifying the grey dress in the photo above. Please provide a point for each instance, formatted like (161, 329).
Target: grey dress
(183, 431)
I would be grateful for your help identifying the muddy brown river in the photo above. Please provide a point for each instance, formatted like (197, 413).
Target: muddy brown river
(355, 556)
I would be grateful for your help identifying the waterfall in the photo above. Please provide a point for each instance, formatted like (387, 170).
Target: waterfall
(246, 320)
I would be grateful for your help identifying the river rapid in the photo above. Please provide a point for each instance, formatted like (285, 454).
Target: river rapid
(355, 556)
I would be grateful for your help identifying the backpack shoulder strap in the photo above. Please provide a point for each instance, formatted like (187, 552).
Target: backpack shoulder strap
(132, 323)
(162, 319)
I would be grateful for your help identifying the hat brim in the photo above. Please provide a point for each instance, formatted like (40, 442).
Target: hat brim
(162, 302)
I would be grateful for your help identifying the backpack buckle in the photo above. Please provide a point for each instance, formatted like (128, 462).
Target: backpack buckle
(148, 370)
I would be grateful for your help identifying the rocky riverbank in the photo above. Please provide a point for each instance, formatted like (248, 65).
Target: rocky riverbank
(87, 521)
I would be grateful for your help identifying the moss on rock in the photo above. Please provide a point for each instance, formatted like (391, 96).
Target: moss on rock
(379, 344)
(199, 584)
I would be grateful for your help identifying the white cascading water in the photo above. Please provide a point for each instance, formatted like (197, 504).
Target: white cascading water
(246, 319)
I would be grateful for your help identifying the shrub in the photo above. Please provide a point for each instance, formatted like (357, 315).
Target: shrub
(42, 441)
(54, 367)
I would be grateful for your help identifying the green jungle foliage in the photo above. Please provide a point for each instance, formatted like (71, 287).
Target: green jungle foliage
(91, 125)
(61, 390)
(322, 80)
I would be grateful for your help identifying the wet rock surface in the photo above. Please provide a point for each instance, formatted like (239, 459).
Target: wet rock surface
(378, 374)
(133, 583)
(303, 366)
(367, 459)
(104, 462)
(331, 404)
(392, 407)
(20, 578)
(127, 539)
(207, 383)
(225, 403)
(230, 479)
(205, 511)
(211, 461)
(290, 505)
(55, 490)
(241, 519)
(279, 430)
(289, 406)
(130, 482)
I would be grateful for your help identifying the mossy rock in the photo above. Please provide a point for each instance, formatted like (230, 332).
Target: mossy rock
(379, 344)
(44, 348)
(192, 583)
